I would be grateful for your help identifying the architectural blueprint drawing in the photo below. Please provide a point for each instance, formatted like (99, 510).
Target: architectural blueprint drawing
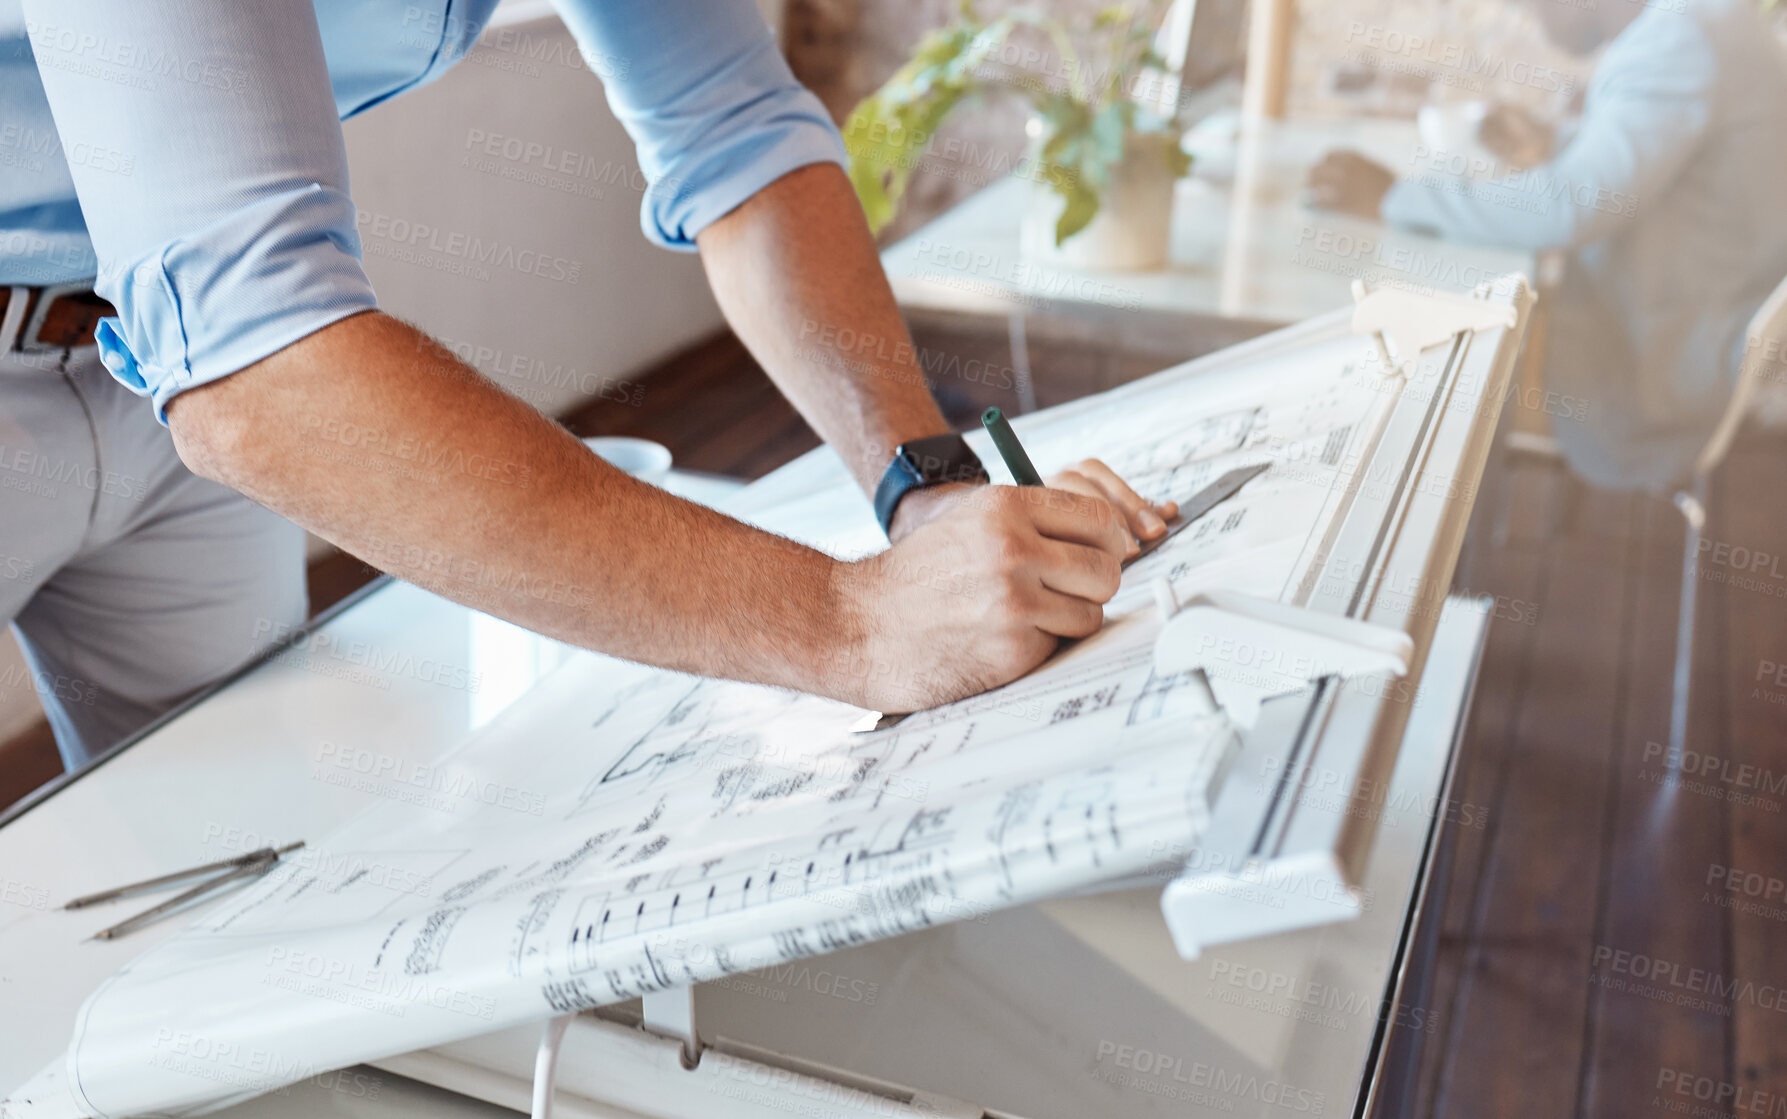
(629, 829)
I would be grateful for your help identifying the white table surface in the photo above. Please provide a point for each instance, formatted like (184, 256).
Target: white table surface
(1244, 246)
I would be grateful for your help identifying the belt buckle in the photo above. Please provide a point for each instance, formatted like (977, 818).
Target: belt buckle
(27, 342)
(14, 317)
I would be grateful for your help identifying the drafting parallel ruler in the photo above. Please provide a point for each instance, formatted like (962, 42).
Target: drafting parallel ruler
(1202, 502)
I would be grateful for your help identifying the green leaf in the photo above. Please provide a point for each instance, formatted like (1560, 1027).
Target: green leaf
(1081, 208)
(1087, 130)
(887, 133)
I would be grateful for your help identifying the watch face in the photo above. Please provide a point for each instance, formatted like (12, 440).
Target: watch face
(942, 458)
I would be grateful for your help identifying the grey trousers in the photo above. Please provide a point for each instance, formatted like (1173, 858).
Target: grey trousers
(129, 581)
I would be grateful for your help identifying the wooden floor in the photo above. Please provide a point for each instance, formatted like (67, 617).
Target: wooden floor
(1590, 961)
(1586, 966)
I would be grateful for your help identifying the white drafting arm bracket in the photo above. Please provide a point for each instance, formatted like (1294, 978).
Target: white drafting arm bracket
(1412, 321)
(1252, 649)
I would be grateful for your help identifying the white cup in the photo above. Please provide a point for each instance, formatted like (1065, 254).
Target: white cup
(643, 459)
(1453, 129)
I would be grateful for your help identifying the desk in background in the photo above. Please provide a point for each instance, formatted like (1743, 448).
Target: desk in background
(1247, 256)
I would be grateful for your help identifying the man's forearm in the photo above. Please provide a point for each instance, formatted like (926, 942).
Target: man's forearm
(796, 272)
(374, 437)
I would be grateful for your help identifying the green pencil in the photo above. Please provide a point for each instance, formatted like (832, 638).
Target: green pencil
(1012, 451)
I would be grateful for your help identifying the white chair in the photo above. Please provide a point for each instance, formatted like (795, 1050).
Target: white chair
(1766, 334)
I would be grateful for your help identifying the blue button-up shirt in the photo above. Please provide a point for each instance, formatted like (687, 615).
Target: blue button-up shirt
(195, 164)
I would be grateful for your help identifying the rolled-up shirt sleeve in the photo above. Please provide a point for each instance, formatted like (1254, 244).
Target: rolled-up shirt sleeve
(711, 105)
(223, 227)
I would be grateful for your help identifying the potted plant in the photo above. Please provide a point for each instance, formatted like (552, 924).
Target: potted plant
(1101, 162)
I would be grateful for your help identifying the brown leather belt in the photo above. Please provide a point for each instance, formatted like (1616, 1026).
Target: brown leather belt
(54, 318)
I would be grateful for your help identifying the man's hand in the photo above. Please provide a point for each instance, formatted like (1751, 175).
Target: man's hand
(1350, 183)
(1145, 519)
(1516, 137)
(978, 595)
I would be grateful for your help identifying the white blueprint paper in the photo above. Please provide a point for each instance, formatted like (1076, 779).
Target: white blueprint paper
(624, 829)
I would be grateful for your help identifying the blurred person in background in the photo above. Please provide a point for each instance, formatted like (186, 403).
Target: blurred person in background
(1665, 196)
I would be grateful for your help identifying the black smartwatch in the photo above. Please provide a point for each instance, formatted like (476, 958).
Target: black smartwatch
(932, 461)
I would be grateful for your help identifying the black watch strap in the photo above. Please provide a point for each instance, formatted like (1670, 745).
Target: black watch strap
(932, 461)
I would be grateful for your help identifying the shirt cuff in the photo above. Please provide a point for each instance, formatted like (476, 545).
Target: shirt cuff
(683, 201)
(247, 286)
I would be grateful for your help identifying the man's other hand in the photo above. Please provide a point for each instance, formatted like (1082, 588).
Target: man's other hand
(1516, 137)
(1350, 183)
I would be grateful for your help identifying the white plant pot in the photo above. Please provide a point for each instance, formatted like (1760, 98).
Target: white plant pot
(1132, 230)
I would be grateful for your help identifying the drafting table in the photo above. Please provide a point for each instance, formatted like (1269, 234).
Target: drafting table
(115, 823)
(1245, 250)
